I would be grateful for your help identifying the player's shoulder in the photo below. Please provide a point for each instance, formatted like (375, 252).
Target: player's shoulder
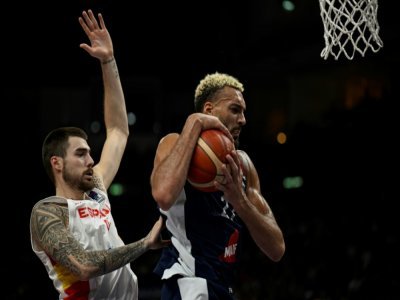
(169, 137)
(242, 152)
(245, 162)
(244, 157)
(51, 207)
(168, 140)
(49, 203)
(165, 145)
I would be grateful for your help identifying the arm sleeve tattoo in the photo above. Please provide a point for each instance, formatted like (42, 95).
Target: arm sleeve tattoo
(50, 229)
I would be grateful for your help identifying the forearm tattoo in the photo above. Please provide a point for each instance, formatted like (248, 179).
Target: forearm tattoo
(115, 68)
(50, 229)
(118, 257)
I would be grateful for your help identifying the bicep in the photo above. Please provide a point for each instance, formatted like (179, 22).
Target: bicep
(253, 189)
(111, 156)
(50, 230)
(164, 148)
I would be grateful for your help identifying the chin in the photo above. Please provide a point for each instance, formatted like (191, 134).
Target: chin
(87, 185)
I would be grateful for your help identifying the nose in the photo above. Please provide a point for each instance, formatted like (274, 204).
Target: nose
(90, 160)
(242, 119)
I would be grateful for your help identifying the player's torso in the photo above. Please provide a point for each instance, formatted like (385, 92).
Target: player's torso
(92, 225)
(207, 232)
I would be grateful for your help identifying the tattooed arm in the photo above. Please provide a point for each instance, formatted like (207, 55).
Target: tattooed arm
(49, 225)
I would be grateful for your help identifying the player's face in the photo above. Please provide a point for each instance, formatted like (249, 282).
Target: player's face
(229, 106)
(78, 164)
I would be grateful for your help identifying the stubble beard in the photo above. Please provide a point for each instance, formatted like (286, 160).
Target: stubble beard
(236, 142)
(77, 182)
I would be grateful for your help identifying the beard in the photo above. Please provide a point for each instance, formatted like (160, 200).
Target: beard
(236, 141)
(77, 182)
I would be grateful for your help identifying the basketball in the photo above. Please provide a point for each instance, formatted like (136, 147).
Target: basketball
(208, 157)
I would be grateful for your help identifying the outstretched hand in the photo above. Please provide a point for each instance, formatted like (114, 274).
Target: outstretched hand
(153, 239)
(101, 45)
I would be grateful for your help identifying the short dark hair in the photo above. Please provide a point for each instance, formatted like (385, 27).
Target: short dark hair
(56, 144)
(212, 83)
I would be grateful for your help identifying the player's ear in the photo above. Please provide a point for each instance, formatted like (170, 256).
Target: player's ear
(56, 162)
(208, 107)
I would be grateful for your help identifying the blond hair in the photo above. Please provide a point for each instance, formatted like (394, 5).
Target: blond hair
(211, 84)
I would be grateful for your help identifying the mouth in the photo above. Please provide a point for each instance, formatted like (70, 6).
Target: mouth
(235, 133)
(88, 174)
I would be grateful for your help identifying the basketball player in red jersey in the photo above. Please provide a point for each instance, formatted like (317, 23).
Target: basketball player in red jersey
(73, 233)
(206, 227)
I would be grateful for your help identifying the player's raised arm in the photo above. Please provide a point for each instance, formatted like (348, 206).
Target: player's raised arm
(115, 116)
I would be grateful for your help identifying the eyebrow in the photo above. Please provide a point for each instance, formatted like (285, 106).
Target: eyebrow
(220, 100)
(238, 105)
(80, 149)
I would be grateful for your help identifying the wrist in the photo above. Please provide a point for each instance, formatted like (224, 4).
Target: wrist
(107, 61)
(145, 243)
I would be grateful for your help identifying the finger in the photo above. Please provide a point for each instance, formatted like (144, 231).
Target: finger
(222, 127)
(86, 47)
(227, 133)
(84, 26)
(233, 166)
(159, 224)
(227, 175)
(101, 19)
(219, 186)
(235, 157)
(88, 22)
(93, 20)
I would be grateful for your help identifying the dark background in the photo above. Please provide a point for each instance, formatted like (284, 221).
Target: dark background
(339, 117)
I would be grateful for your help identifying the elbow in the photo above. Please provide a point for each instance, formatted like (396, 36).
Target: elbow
(164, 192)
(277, 254)
(163, 198)
(84, 277)
(86, 273)
(127, 132)
(274, 250)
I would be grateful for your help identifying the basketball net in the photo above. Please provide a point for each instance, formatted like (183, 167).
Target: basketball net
(350, 26)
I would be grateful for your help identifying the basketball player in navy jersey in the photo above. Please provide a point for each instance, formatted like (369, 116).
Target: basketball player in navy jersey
(73, 233)
(206, 228)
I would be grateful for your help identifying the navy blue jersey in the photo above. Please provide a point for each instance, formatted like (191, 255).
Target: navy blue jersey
(206, 236)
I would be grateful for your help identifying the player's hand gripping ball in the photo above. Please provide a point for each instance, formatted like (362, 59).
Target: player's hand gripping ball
(208, 157)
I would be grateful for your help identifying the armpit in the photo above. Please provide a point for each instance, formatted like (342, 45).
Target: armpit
(98, 183)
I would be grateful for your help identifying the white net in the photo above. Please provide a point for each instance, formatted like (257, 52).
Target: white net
(350, 26)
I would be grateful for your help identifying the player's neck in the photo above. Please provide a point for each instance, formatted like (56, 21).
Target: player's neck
(69, 193)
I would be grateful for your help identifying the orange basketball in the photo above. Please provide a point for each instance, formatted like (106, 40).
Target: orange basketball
(208, 157)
